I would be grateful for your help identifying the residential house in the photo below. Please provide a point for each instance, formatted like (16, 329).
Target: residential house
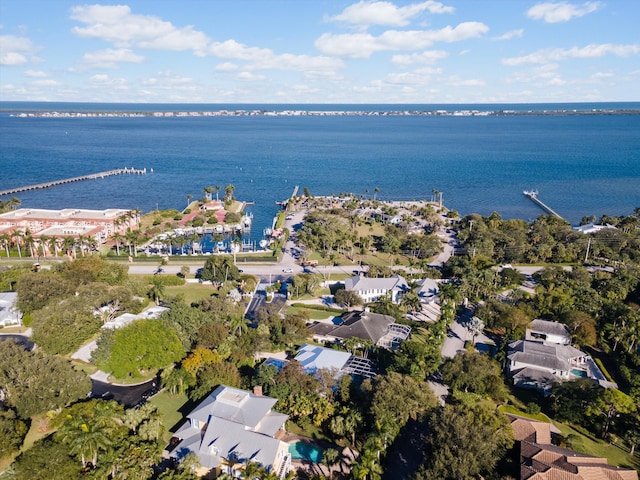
(548, 332)
(230, 428)
(314, 358)
(540, 460)
(539, 365)
(593, 228)
(373, 289)
(380, 330)
(9, 313)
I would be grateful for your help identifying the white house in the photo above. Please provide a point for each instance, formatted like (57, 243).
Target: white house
(230, 428)
(372, 289)
(548, 332)
(9, 313)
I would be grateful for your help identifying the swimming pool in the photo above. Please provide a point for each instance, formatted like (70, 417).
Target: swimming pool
(579, 373)
(305, 451)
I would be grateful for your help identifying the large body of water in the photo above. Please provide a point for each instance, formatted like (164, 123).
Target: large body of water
(581, 165)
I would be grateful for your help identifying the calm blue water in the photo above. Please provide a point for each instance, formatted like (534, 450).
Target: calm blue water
(580, 164)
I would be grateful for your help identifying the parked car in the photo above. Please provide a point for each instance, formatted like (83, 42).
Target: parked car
(287, 270)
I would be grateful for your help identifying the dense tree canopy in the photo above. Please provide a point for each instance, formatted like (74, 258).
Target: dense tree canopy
(34, 382)
(141, 347)
(463, 442)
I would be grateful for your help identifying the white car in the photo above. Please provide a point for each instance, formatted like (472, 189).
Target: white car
(287, 270)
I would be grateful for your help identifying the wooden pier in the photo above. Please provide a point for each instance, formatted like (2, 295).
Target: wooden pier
(533, 196)
(92, 176)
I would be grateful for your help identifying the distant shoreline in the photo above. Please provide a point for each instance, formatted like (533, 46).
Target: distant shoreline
(314, 113)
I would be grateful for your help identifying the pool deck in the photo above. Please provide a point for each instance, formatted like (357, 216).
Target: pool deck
(342, 469)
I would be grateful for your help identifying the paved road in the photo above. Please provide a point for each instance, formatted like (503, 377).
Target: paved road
(127, 395)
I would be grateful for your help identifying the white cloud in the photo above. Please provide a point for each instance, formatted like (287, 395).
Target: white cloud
(249, 76)
(363, 45)
(45, 83)
(429, 56)
(15, 50)
(35, 74)
(103, 80)
(168, 80)
(457, 82)
(559, 54)
(116, 24)
(510, 34)
(266, 59)
(386, 13)
(109, 58)
(226, 67)
(561, 11)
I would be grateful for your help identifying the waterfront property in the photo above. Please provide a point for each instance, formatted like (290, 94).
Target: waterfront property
(42, 224)
(230, 428)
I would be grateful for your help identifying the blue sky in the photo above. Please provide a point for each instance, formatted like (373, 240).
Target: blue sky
(320, 51)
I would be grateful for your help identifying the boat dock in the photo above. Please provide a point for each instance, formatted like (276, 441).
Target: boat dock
(533, 196)
(92, 176)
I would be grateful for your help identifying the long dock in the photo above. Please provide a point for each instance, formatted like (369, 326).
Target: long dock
(92, 176)
(533, 196)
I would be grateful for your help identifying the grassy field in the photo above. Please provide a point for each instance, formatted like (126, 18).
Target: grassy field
(192, 292)
(170, 408)
(313, 314)
(585, 442)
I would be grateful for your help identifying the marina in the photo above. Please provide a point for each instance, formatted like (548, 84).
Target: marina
(92, 176)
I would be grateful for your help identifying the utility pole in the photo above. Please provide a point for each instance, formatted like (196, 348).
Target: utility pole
(587, 254)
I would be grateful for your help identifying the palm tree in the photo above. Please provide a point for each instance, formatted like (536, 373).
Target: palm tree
(237, 325)
(86, 438)
(228, 192)
(217, 188)
(156, 291)
(18, 235)
(28, 241)
(189, 197)
(375, 193)
(207, 192)
(5, 240)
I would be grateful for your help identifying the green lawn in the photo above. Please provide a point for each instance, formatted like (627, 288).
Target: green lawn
(585, 442)
(192, 291)
(169, 407)
(313, 314)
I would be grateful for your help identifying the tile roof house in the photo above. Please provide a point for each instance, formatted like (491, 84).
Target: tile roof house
(372, 289)
(540, 460)
(380, 329)
(230, 428)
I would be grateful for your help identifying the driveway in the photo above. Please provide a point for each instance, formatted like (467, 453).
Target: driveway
(127, 395)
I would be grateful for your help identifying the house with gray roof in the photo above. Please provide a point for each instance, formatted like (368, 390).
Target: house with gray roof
(373, 289)
(539, 365)
(230, 428)
(380, 329)
(548, 332)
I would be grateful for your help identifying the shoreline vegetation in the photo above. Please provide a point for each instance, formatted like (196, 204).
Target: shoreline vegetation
(322, 113)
